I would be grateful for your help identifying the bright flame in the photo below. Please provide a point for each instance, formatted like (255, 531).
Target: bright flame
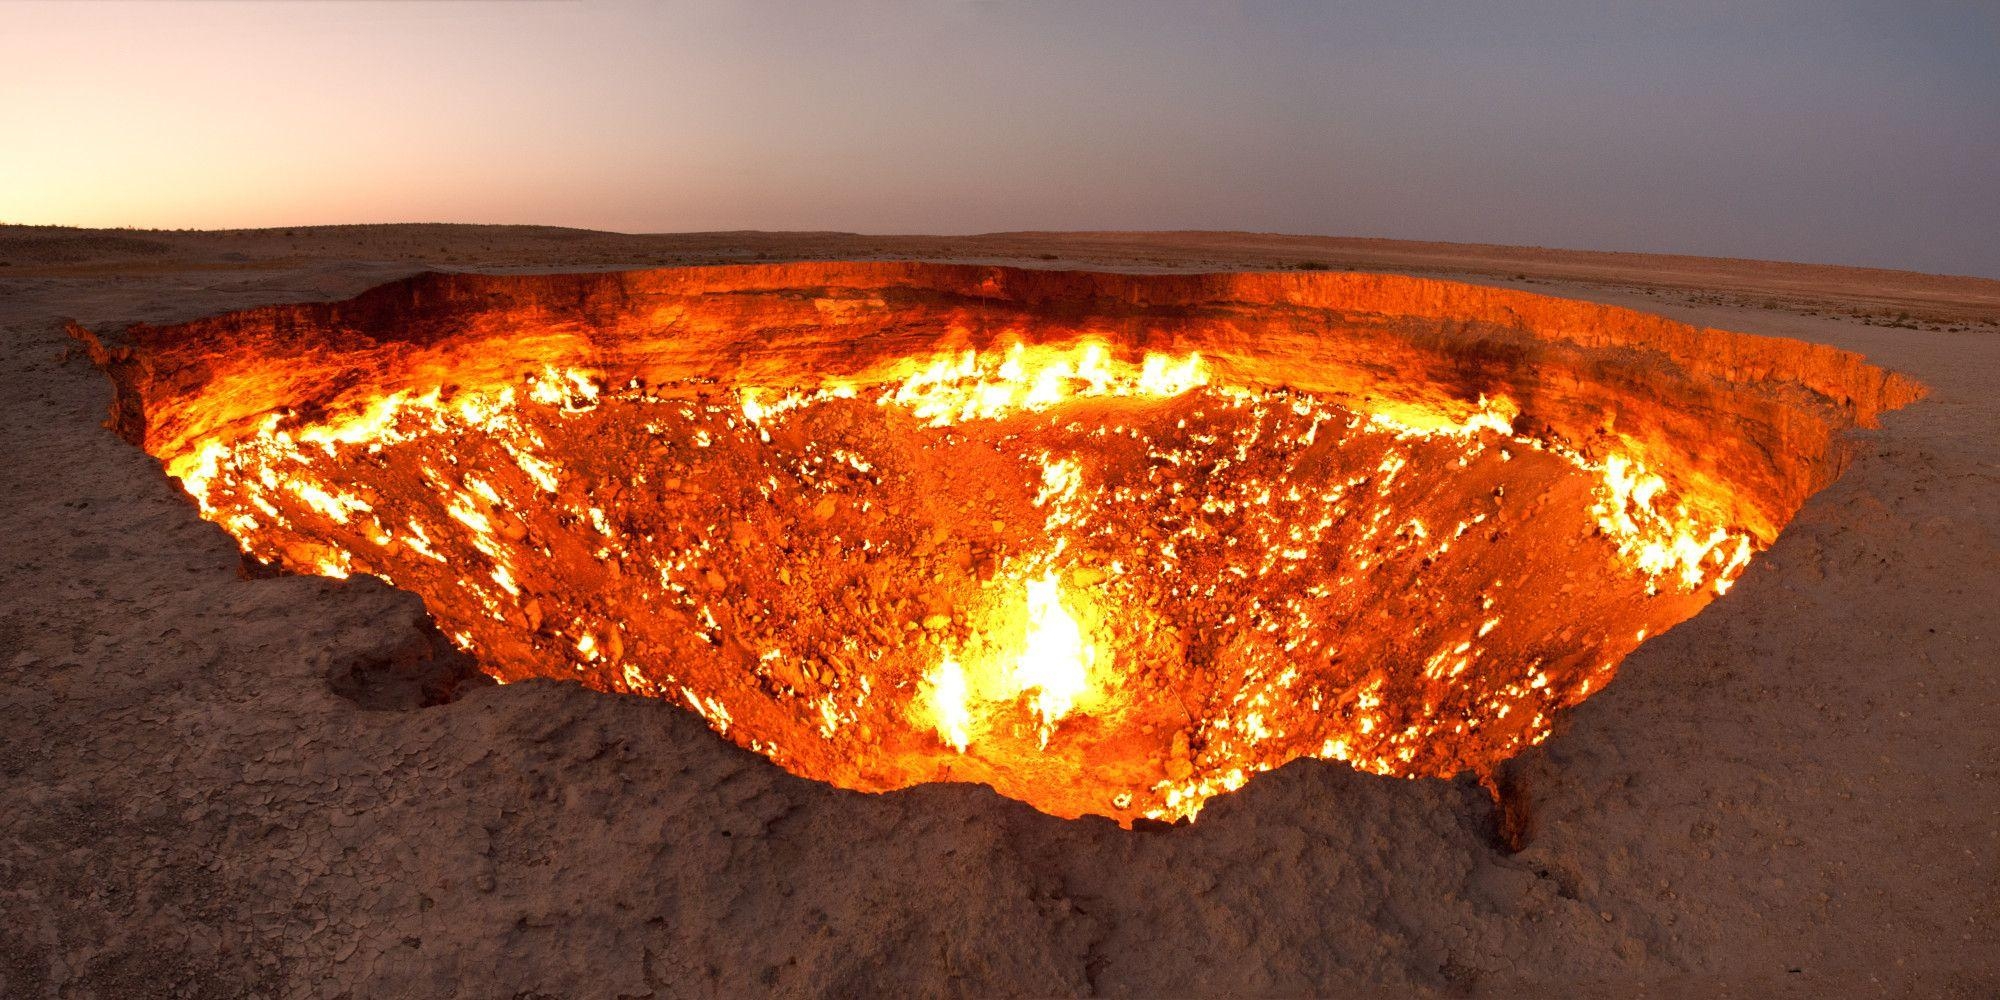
(1055, 664)
(1662, 542)
(955, 388)
(946, 686)
(1052, 670)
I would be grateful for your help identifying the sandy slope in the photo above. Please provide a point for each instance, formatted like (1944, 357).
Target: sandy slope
(1793, 792)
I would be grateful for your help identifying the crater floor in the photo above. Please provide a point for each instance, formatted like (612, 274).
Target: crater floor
(194, 808)
(1109, 606)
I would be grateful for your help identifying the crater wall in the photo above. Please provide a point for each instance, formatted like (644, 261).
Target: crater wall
(1706, 407)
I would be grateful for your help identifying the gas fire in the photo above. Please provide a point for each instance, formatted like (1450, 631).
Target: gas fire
(1168, 585)
(892, 524)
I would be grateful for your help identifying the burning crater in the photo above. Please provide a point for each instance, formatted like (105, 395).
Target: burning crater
(1111, 544)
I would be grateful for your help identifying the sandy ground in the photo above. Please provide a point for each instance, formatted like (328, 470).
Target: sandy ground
(1792, 793)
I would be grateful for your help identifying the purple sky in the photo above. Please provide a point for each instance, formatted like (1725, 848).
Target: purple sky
(1822, 131)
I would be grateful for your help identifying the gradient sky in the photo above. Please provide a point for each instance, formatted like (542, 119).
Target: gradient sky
(1822, 131)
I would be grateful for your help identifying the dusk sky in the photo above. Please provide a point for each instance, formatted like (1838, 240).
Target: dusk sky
(1821, 131)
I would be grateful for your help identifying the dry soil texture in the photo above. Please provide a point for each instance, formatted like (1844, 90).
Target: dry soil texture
(1793, 792)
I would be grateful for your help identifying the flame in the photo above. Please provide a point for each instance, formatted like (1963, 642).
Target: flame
(1665, 542)
(954, 388)
(1051, 670)
(947, 693)
(1055, 665)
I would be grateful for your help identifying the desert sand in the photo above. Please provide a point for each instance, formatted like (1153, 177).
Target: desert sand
(1791, 793)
